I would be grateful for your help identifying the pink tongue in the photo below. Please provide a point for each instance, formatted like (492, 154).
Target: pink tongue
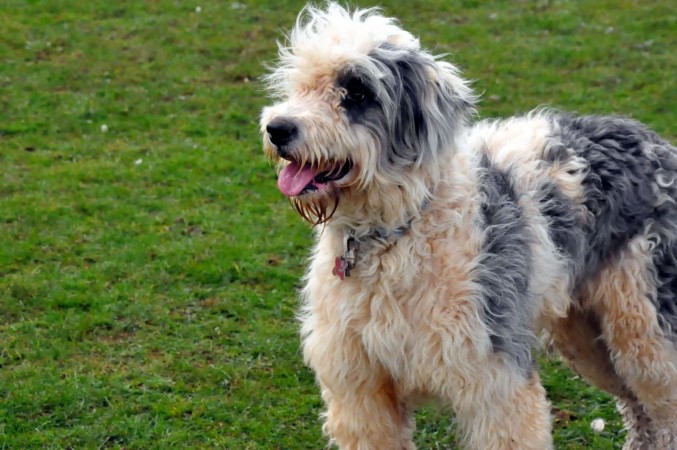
(292, 179)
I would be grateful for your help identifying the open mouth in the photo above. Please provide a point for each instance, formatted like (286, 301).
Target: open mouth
(297, 180)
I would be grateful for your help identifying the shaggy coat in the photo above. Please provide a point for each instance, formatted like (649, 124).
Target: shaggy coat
(445, 248)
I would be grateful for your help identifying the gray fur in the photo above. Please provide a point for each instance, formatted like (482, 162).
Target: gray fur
(503, 274)
(565, 227)
(630, 188)
(665, 261)
(413, 117)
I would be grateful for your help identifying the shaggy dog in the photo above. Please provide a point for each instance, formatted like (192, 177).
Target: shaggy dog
(446, 247)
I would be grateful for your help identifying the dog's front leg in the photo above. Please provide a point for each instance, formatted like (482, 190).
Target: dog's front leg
(502, 409)
(370, 417)
(364, 410)
(499, 405)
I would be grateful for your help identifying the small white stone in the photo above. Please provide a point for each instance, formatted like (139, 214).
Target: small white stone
(138, 161)
(198, 9)
(104, 128)
(597, 425)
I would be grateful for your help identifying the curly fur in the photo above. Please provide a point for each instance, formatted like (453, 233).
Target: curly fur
(472, 240)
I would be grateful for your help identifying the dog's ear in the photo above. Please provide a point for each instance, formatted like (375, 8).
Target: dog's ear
(455, 99)
(426, 103)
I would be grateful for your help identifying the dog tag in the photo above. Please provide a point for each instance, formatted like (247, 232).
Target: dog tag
(344, 263)
(341, 268)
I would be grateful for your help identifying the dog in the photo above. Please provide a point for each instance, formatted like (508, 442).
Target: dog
(445, 247)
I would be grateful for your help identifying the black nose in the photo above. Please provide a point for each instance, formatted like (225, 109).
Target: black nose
(281, 132)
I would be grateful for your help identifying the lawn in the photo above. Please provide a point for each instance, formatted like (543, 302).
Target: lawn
(148, 265)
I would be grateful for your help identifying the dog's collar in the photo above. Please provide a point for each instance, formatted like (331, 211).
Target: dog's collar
(344, 263)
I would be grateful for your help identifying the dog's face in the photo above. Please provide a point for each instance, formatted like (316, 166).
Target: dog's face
(363, 110)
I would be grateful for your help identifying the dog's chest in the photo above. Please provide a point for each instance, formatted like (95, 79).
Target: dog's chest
(404, 304)
(412, 304)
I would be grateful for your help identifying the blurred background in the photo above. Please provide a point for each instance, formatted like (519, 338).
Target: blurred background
(148, 264)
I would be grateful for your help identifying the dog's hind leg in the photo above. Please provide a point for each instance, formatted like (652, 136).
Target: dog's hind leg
(578, 339)
(621, 295)
(641, 430)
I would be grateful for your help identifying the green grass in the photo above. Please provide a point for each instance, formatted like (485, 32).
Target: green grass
(147, 272)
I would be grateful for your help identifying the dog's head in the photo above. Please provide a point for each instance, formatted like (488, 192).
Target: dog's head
(364, 115)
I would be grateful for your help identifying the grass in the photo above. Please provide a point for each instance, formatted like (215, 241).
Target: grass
(147, 263)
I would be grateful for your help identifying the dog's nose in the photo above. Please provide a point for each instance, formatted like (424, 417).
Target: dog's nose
(281, 132)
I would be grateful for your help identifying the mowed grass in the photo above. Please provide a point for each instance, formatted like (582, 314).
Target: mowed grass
(148, 265)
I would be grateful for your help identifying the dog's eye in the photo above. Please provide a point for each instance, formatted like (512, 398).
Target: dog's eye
(355, 97)
(356, 93)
